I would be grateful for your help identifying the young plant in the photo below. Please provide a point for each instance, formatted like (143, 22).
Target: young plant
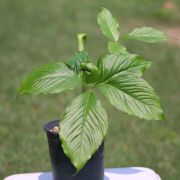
(117, 76)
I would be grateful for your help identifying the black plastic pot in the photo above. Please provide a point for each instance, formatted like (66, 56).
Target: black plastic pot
(61, 165)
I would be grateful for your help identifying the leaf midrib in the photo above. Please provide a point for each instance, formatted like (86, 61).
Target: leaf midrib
(110, 30)
(145, 104)
(84, 117)
(57, 75)
(119, 73)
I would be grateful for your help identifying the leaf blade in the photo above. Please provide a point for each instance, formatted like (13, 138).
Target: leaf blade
(115, 48)
(83, 127)
(134, 96)
(108, 24)
(146, 34)
(116, 65)
(50, 78)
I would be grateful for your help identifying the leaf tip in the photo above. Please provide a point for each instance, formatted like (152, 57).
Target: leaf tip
(20, 91)
(148, 64)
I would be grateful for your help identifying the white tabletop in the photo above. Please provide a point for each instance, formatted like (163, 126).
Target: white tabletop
(131, 173)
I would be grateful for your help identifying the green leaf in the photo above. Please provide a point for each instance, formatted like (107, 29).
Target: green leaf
(117, 65)
(50, 78)
(108, 24)
(115, 48)
(83, 128)
(146, 34)
(75, 62)
(90, 73)
(134, 96)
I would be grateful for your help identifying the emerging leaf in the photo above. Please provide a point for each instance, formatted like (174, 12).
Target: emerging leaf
(82, 37)
(83, 128)
(89, 67)
(75, 62)
(90, 73)
(108, 24)
(117, 65)
(115, 48)
(50, 78)
(146, 34)
(134, 96)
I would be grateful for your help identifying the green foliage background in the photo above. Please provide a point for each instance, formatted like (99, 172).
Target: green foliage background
(34, 32)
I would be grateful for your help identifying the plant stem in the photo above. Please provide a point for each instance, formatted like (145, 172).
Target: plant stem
(81, 39)
(83, 88)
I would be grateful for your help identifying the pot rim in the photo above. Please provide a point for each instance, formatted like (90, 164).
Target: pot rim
(49, 126)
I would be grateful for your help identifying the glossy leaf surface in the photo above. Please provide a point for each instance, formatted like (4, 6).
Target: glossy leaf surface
(134, 96)
(117, 65)
(50, 78)
(108, 24)
(83, 128)
(115, 48)
(146, 34)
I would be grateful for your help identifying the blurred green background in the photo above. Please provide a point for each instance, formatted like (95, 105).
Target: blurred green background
(36, 32)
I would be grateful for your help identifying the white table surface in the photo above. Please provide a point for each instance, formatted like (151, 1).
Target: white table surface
(131, 173)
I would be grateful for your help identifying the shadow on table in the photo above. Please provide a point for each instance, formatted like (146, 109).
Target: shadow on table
(130, 171)
(123, 171)
(45, 176)
(106, 178)
(48, 176)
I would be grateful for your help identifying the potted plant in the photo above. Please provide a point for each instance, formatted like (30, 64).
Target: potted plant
(76, 140)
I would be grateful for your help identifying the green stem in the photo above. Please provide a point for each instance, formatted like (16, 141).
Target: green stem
(81, 39)
(83, 88)
(122, 39)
